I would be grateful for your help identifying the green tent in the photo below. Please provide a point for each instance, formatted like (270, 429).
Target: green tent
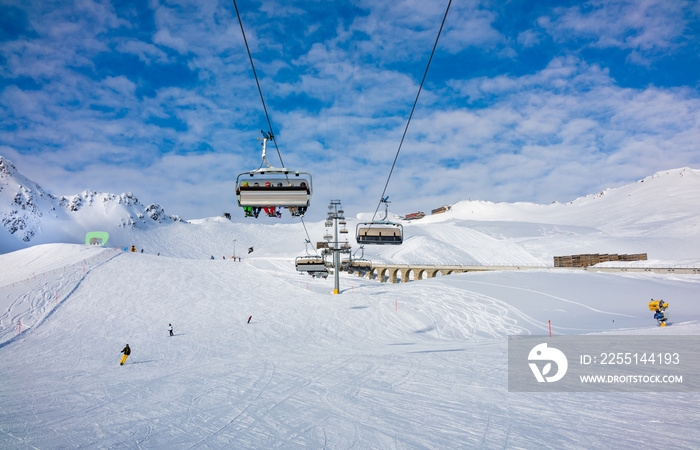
(96, 238)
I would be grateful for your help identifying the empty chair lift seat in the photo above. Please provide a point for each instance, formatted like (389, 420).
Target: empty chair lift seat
(310, 264)
(375, 233)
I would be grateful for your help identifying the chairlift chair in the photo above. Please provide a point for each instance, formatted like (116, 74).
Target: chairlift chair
(273, 187)
(360, 263)
(380, 232)
(310, 264)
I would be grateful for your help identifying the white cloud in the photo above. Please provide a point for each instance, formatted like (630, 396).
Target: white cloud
(646, 27)
(339, 107)
(146, 52)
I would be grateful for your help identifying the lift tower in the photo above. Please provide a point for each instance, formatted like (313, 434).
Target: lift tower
(335, 214)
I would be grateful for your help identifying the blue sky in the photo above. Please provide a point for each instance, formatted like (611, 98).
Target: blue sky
(524, 101)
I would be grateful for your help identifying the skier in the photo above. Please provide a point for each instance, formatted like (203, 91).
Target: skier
(170, 328)
(127, 352)
(249, 318)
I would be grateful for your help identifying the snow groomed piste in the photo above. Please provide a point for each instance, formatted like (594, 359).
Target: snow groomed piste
(419, 364)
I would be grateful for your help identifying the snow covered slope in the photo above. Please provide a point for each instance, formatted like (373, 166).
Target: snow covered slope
(659, 215)
(411, 365)
(414, 365)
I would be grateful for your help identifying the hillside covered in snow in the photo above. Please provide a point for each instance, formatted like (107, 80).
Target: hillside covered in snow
(659, 215)
(411, 365)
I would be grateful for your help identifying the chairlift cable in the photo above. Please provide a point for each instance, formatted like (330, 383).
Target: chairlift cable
(307, 234)
(412, 109)
(269, 124)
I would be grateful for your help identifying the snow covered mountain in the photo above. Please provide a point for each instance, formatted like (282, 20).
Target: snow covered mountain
(659, 215)
(422, 364)
(30, 215)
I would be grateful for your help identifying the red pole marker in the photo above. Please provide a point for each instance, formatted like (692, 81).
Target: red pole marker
(397, 304)
(550, 328)
(20, 327)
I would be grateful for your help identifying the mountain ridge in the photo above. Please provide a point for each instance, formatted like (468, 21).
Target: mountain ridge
(660, 207)
(30, 215)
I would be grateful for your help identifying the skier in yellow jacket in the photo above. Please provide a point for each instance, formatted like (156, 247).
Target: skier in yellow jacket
(127, 352)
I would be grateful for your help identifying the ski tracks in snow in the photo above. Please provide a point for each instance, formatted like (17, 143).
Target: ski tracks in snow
(31, 302)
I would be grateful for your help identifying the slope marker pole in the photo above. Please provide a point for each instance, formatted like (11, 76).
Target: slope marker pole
(550, 328)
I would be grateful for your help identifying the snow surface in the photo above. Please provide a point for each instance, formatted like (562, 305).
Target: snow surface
(411, 365)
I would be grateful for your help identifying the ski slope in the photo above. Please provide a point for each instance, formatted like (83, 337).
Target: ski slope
(413, 365)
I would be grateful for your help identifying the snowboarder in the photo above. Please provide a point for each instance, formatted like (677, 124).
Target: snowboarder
(127, 352)
(170, 328)
(249, 318)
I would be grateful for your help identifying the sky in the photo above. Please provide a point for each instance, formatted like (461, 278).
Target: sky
(522, 102)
